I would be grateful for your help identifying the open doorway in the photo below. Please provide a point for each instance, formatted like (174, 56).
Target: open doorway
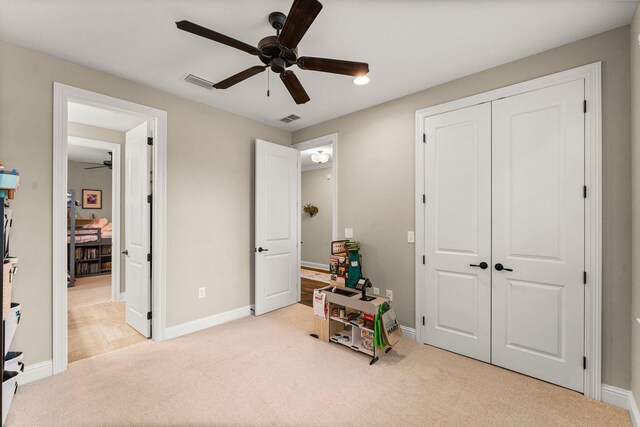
(318, 224)
(86, 120)
(96, 304)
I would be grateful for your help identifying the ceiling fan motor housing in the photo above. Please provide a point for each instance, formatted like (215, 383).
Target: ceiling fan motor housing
(270, 51)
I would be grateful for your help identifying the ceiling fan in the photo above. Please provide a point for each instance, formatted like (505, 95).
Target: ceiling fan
(105, 164)
(280, 52)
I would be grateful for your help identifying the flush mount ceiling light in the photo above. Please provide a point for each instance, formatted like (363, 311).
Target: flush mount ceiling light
(362, 80)
(320, 157)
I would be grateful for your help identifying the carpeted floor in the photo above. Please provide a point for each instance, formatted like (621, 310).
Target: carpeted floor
(268, 371)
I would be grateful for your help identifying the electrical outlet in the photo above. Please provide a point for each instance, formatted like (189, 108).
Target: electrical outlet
(390, 294)
(201, 293)
(411, 237)
(348, 233)
(376, 291)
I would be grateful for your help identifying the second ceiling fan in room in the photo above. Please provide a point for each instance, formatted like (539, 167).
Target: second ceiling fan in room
(280, 52)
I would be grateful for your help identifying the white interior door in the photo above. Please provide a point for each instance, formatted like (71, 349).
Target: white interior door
(276, 227)
(458, 231)
(538, 232)
(137, 230)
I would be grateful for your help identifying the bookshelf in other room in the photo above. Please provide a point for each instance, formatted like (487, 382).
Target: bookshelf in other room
(92, 259)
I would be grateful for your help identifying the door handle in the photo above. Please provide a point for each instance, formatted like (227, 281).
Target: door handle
(501, 267)
(483, 265)
(262, 250)
(125, 252)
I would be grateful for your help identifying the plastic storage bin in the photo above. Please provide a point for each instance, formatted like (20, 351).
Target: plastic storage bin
(9, 387)
(13, 361)
(9, 180)
(11, 324)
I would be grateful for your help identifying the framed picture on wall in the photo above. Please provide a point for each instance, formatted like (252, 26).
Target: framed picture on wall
(91, 199)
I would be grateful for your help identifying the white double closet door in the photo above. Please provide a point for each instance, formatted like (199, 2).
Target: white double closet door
(504, 225)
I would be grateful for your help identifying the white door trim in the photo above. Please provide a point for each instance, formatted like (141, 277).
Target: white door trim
(62, 94)
(115, 204)
(591, 74)
(319, 142)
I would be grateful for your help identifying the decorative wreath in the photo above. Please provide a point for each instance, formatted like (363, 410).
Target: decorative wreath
(310, 209)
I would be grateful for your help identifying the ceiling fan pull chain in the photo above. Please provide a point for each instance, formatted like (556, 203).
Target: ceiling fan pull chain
(268, 80)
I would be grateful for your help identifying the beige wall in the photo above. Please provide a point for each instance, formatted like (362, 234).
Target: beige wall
(379, 203)
(316, 232)
(635, 144)
(81, 130)
(209, 200)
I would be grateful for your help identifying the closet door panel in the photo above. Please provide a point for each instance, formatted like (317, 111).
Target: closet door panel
(458, 231)
(538, 232)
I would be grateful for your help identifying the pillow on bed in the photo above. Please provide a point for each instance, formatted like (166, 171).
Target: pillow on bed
(106, 228)
(97, 223)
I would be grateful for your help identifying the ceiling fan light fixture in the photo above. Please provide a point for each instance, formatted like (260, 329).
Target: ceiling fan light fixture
(320, 157)
(361, 80)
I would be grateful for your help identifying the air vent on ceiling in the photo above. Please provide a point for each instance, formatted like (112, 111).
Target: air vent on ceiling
(198, 81)
(289, 118)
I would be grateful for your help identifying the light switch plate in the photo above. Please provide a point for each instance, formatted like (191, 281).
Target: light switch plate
(376, 291)
(411, 237)
(348, 233)
(390, 294)
(201, 292)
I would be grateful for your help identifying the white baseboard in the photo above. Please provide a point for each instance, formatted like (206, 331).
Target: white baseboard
(36, 372)
(622, 399)
(314, 265)
(206, 322)
(408, 332)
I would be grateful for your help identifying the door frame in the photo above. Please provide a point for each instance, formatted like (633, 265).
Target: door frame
(116, 192)
(320, 142)
(591, 75)
(62, 94)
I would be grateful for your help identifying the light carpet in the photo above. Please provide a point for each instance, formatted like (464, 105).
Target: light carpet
(267, 371)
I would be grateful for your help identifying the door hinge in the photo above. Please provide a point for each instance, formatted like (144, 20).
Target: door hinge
(149, 257)
(424, 138)
(424, 199)
(584, 106)
(148, 315)
(584, 277)
(150, 198)
(149, 140)
(584, 362)
(584, 191)
(424, 259)
(422, 320)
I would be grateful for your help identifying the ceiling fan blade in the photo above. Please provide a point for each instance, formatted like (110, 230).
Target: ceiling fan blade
(336, 66)
(294, 87)
(97, 167)
(242, 75)
(220, 38)
(299, 19)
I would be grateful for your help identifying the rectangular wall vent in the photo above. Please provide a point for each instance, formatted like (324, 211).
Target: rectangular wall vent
(289, 118)
(198, 81)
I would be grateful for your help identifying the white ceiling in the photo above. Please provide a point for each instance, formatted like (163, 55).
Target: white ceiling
(410, 45)
(305, 158)
(86, 154)
(100, 117)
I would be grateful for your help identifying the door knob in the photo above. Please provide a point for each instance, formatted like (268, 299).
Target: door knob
(483, 265)
(262, 250)
(501, 267)
(125, 252)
